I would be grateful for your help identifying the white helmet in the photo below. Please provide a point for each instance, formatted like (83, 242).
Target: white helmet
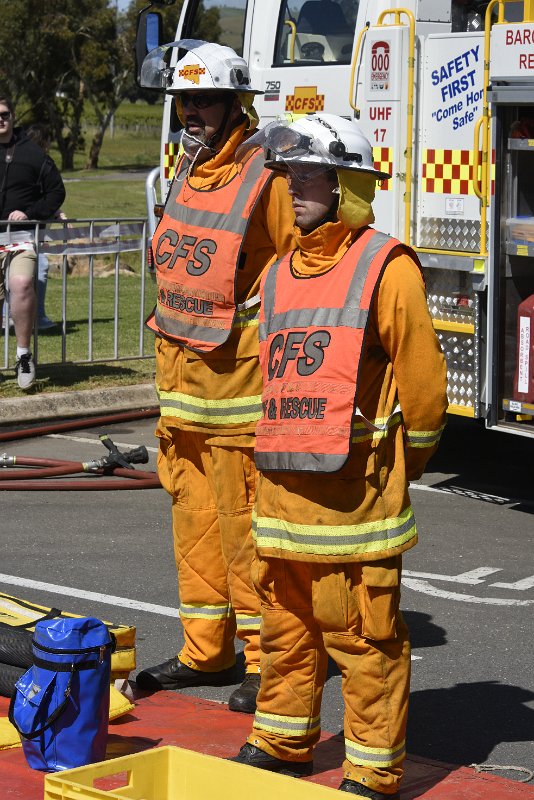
(205, 65)
(320, 141)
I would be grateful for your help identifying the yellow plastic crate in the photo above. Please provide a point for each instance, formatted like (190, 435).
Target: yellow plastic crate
(171, 773)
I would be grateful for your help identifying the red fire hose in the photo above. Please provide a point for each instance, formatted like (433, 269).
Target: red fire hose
(117, 464)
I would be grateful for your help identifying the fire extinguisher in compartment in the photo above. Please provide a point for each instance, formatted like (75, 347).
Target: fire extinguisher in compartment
(524, 371)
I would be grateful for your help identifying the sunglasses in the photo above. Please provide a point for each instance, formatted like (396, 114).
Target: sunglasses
(5, 115)
(202, 99)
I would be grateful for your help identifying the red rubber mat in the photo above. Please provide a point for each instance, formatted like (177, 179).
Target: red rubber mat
(168, 718)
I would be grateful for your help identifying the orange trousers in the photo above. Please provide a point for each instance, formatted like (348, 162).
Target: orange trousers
(351, 612)
(212, 488)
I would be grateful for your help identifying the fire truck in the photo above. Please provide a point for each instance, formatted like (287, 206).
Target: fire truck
(444, 90)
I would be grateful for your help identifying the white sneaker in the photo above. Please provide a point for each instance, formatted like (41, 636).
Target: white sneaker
(25, 371)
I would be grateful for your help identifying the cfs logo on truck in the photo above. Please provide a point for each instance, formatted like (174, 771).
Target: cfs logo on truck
(379, 78)
(305, 100)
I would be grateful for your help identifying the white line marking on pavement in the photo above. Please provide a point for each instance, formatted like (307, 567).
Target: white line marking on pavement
(471, 578)
(88, 440)
(473, 495)
(427, 588)
(423, 488)
(518, 586)
(96, 597)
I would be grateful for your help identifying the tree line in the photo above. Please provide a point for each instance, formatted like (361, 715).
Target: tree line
(59, 56)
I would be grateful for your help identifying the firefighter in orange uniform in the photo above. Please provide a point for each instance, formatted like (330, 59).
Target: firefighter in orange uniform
(354, 403)
(225, 220)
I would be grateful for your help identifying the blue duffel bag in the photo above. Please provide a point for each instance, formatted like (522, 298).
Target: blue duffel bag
(60, 707)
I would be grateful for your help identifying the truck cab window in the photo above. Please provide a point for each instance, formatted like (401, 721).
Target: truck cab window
(315, 32)
(470, 15)
(218, 22)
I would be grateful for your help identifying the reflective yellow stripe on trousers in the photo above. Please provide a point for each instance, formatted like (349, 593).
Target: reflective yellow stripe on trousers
(286, 726)
(218, 612)
(362, 756)
(212, 412)
(424, 438)
(365, 537)
(247, 622)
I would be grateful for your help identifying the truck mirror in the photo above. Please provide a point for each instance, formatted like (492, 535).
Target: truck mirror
(149, 36)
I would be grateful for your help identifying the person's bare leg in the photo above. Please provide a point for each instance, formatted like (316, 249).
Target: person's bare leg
(22, 308)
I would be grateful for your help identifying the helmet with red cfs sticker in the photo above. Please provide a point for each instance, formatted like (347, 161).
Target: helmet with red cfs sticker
(195, 65)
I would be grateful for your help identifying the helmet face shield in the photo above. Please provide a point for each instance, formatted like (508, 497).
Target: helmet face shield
(318, 139)
(288, 142)
(303, 172)
(156, 72)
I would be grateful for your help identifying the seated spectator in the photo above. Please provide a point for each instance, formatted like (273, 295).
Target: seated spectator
(31, 189)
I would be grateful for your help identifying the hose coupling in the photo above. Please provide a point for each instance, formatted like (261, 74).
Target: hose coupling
(93, 466)
(7, 461)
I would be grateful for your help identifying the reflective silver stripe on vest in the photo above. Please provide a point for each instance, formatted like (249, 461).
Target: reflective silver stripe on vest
(350, 316)
(204, 333)
(234, 221)
(300, 462)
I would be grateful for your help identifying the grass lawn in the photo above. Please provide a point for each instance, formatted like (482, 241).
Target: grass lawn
(101, 197)
(74, 377)
(133, 146)
(54, 376)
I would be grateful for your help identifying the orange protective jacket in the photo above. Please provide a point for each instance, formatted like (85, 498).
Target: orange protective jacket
(220, 392)
(363, 511)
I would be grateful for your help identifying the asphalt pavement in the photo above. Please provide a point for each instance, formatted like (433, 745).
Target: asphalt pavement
(468, 587)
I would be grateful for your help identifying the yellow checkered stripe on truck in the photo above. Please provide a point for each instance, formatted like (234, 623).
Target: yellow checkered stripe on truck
(450, 172)
(383, 161)
(169, 159)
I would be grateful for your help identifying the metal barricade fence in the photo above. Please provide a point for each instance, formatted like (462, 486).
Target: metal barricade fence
(100, 296)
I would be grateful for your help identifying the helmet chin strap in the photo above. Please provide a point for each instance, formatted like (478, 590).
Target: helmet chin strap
(216, 137)
(211, 143)
(187, 139)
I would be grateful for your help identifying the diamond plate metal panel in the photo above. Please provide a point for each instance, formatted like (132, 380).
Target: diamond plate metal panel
(459, 351)
(452, 300)
(450, 296)
(449, 234)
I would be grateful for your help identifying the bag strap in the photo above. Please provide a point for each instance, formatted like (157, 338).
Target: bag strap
(52, 614)
(55, 666)
(55, 714)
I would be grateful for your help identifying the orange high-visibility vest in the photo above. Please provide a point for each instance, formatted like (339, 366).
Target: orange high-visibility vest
(197, 248)
(312, 332)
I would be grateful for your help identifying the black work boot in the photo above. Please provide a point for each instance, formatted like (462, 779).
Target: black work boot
(360, 790)
(244, 698)
(255, 757)
(172, 674)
